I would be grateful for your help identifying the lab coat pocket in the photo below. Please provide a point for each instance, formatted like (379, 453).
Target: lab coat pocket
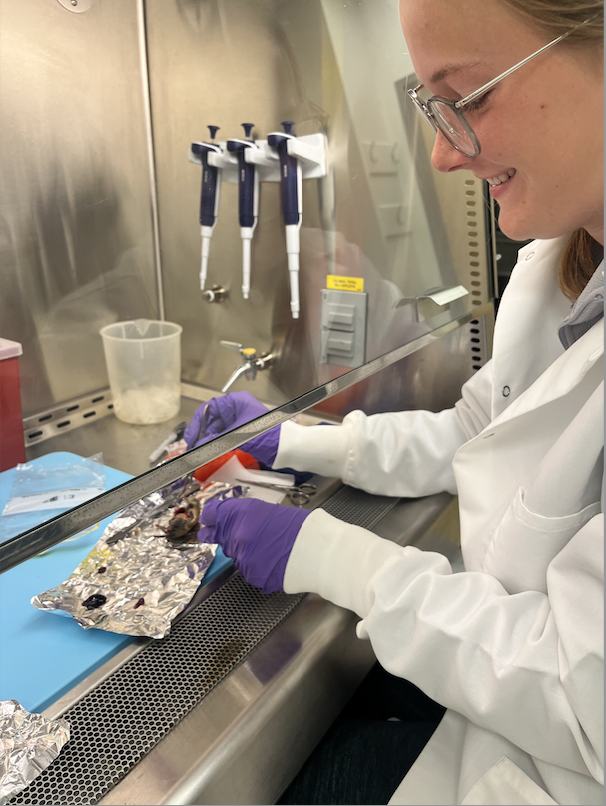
(524, 544)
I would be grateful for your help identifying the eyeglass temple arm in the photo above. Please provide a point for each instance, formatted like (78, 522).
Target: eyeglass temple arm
(511, 70)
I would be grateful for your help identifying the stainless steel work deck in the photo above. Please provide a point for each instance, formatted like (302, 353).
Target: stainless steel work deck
(189, 719)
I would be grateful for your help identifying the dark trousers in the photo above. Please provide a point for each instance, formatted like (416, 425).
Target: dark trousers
(366, 752)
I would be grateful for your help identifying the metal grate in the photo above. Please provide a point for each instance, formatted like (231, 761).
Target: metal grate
(357, 507)
(117, 723)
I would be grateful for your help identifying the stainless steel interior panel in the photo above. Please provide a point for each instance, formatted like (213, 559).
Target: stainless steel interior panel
(430, 378)
(76, 244)
(330, 67)
(223, 63)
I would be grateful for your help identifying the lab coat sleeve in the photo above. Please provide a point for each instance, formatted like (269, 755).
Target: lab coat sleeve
(377, 453)
(527, 666)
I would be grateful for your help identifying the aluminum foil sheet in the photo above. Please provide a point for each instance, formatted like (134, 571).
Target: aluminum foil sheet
(134, 581)
(29, 743)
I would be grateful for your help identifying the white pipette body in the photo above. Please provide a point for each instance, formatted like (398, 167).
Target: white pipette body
(206, 236)
(246, 233)
(293, 248)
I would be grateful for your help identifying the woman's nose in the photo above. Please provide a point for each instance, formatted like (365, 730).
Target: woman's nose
(446, 158)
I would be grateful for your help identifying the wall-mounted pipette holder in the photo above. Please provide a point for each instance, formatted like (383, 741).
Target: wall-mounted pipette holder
(283, 158)
(310, 150)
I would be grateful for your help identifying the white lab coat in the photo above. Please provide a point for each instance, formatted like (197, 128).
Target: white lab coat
(512, 645)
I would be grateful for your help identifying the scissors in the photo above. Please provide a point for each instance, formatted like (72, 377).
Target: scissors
(299, 495)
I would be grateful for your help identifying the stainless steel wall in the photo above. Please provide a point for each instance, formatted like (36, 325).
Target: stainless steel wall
(76, 245)
(381, 213)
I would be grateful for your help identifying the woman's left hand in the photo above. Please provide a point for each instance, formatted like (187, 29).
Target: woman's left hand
(256, 535)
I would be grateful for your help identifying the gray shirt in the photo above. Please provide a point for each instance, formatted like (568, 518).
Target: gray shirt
(585, 311)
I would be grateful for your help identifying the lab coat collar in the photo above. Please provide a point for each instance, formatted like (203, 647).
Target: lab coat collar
(561, 377)
(586, 311)
(526, 339)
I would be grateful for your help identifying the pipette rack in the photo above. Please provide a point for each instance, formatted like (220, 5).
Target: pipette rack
(310, 150)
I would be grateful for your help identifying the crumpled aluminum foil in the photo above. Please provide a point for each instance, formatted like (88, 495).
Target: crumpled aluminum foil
(145, 580)
(28, 744)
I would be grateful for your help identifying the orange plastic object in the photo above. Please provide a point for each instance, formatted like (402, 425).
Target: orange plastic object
(245, 459)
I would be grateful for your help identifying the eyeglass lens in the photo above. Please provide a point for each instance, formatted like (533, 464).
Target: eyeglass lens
(453, 128)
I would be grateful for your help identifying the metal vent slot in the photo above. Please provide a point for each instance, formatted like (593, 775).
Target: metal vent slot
(478, 286)
(45, 425)
(477, 340)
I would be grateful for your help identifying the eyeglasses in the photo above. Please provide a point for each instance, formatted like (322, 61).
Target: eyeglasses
(447, 116)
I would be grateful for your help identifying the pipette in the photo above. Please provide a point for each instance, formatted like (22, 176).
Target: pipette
(248, 201)
(209, 197)
(291, 192)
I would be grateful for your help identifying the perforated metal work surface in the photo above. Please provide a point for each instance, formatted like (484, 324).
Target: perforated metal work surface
(117, 723)
(357, 507)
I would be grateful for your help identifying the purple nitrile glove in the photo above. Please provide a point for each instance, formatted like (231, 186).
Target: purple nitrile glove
(225, 413)
(256, 535)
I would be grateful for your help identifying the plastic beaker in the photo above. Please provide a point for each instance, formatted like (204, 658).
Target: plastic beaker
(144, 366)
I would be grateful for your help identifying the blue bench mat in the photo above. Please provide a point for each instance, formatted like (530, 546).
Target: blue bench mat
(44, 655)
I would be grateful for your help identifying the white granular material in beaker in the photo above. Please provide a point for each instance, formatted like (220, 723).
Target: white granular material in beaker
(155, 404)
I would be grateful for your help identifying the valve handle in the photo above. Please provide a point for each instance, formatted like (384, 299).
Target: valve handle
(231, 345)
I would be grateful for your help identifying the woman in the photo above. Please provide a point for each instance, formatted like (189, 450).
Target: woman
(513, 645)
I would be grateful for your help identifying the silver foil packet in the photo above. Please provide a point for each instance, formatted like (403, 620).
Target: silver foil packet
(28, 744)
(135, 581)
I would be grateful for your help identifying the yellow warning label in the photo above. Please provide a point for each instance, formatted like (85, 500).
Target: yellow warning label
(336, 283)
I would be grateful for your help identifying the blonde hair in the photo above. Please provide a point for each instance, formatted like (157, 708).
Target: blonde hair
(556, 17)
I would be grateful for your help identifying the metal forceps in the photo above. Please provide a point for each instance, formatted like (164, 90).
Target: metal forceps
(299, 495)
(203, 422)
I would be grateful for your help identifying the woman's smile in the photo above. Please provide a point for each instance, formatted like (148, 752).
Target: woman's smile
(498, 184)
(532, 119)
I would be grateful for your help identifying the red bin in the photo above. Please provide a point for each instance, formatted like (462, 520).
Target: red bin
(12, 446)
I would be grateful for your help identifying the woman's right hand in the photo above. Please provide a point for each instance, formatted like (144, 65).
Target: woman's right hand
(222, 414)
